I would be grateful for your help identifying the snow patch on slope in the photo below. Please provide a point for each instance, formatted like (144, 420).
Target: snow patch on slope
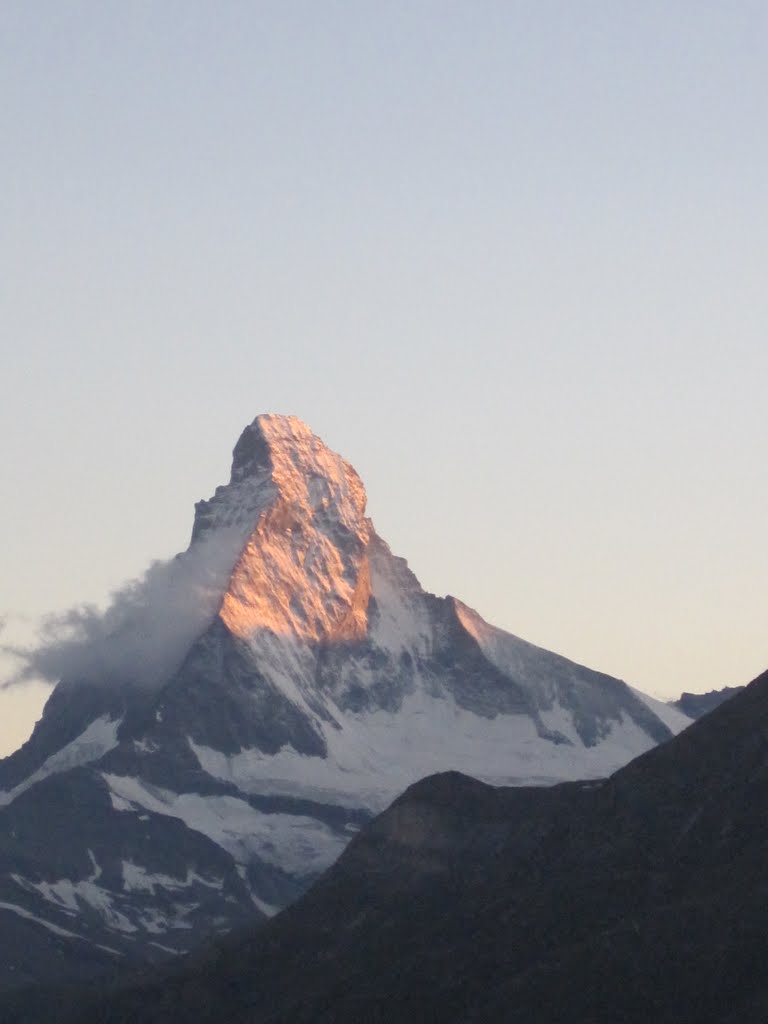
(375, 755)
(99, 738)
(295, 843)
(69, 895)
(402, 620)
(287, 663)
(672, 717)
(533, 667)
(138, 879)
(114, 908)
(21, 912)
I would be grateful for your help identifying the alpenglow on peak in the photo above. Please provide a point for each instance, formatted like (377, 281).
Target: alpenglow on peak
(302, 569)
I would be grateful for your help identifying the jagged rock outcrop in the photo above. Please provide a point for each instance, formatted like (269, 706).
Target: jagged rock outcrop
(697, 704)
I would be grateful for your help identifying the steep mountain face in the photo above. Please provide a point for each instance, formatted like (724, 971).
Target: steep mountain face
(639, 898)
(264, 696)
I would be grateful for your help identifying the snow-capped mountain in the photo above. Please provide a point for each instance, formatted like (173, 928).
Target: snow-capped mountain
(252, 705)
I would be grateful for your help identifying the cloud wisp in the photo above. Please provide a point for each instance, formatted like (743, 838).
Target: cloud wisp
(146, 629)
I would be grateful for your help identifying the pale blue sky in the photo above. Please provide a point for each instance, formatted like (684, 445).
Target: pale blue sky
(508, 258)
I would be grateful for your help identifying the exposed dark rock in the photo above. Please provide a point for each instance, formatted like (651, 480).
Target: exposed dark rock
(697, 704)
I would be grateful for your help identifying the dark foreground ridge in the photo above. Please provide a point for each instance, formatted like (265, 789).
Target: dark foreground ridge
(642, 898)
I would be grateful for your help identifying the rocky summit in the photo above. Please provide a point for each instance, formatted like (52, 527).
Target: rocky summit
(254, 703)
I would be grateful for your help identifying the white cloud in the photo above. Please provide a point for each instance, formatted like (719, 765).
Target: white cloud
(146, 629)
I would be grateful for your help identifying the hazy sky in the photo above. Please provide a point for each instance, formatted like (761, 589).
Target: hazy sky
(509, 258)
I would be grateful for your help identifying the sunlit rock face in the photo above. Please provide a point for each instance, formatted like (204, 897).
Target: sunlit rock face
(304, 569)
(307, 680)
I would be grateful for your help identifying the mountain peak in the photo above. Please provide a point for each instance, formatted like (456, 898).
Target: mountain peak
(280, 456)
(268, 433)
(303, 570)
(299, 461)
(238, 713)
